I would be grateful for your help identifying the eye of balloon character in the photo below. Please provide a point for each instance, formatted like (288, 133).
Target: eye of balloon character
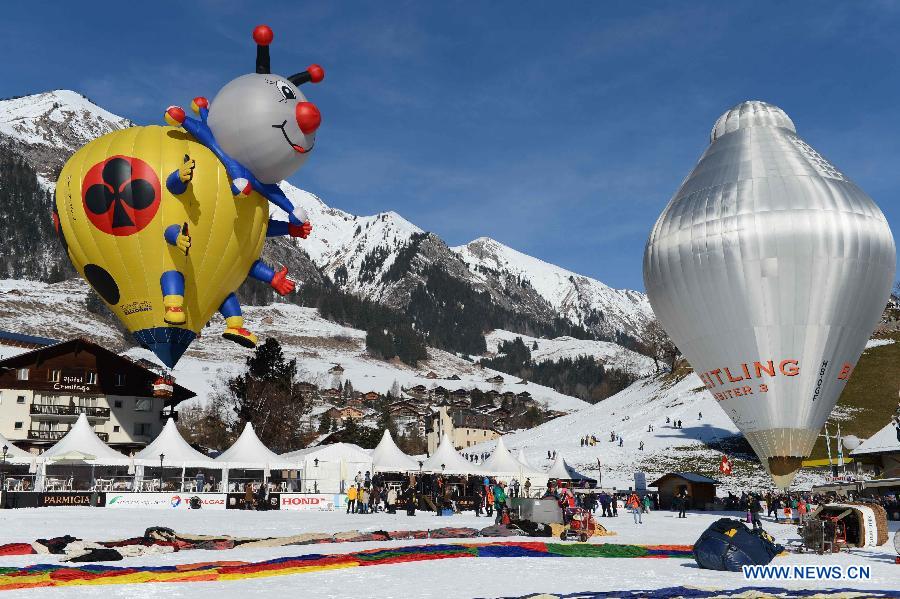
(287, 92)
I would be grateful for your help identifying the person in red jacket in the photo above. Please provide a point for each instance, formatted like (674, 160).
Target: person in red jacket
(634, 504)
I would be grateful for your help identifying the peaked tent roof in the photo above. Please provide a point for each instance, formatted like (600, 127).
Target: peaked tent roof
(13, 453)
(452, 461)
(351, 452)
(81, 440)
(176, 450)
(387, 457)
(520, 457)
(249, 452)
(885, 440)
(502, 462)
(561, 470)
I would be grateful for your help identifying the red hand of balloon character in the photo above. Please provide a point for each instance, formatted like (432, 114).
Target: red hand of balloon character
(281, 283)
(301, 231)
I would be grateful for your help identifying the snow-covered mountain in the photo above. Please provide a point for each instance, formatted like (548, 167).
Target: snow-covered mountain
(582, 300)
(382, 257)
(47, 128)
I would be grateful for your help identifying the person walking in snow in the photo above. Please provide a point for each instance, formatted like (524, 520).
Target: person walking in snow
(641, 446)
(755, 511)
(634, 504)
(527, 487)
(620, 441)
(699, 415)
(646, 503)
(499, 501)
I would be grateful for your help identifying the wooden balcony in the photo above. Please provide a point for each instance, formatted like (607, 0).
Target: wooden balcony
(67, 411)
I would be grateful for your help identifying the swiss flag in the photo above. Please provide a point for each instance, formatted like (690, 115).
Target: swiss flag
(725, 466)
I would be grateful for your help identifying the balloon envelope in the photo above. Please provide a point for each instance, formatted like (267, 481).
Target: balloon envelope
(112, 207)
(769, 269)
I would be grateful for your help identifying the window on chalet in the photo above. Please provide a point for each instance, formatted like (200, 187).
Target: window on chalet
(18, 426)
(90, 377)
(20, 399)
(116, 428)
(118, 403)
(22, 374)
(55, 376)
(142, 429)
(143, 404)
(120, 380)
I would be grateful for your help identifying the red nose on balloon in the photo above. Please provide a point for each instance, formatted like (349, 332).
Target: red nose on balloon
(308, 117)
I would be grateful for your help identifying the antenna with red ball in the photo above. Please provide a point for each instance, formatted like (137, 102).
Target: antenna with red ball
(313, 73)
(263, 35)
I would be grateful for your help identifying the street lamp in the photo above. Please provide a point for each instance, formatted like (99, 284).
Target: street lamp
(3, 473)
(161, 458)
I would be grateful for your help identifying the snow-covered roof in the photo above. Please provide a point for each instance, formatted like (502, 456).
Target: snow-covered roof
(561, 470)
(250, 453)
(452, 462)
(502, 463)
(13, 453)
(81, 442)
(387, 457)
(176, 450)
(885, 440)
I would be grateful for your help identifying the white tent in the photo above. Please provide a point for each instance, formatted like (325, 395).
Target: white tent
(501, 463)
(249, 453)
(327, 468)
(14, 455)
(561, 470)
(520, 457)
(387, 457)
(885, 440)
(81, 443)
(176, 450)
(446, 460)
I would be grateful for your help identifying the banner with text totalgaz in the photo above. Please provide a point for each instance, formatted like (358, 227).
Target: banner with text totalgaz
(313, 502)
(181, 501)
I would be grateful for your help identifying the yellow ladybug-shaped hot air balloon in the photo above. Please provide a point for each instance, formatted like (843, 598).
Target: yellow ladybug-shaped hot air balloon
(166, 222)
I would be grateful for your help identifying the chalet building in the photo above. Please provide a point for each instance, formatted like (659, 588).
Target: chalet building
(432, 375)
(523, 396)
(343, 414)
(465, 428)
(371, 396)
(455, 377)
(331, 393)
(440, 391)
(419, 391)
(309, 388)
(496, 380)
(407, 417)
(460, 393)
(43, 391)
(336, 369)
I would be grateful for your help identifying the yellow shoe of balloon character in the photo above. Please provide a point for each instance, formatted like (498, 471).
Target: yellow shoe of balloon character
(236, 332)
(174, 309)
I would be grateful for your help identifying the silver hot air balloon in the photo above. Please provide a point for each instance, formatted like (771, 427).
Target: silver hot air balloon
(769, 269)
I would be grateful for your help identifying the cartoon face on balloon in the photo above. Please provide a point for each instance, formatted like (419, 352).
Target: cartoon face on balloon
(265, 122)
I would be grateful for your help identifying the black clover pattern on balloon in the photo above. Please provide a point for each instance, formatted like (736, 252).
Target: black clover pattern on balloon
(121, 191)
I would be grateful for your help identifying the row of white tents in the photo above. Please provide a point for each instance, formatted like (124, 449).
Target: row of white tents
(323, 469)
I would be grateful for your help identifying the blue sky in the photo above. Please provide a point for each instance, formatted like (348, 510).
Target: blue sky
(560, 129)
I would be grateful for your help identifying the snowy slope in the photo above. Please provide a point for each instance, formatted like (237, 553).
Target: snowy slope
(57, 311)
(629, 413)
(576, 297)
(609, 354)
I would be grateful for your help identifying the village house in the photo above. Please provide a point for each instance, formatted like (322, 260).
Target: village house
(43, 392)
(465, 428)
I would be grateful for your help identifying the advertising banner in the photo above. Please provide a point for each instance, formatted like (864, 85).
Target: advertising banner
(236, 501)
(313, 502)
(181, 501)
(72, 498)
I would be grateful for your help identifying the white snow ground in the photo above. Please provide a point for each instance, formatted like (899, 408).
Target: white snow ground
(443, 579)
